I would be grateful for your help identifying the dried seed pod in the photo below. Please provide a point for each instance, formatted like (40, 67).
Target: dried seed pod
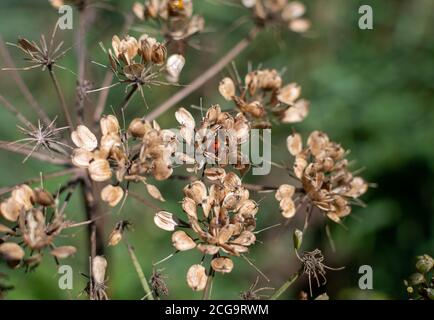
(139, 10)
(299, 165)
(24, 196)
(196, 277)
(185, 118)
(99, 170)
(117, 233)
(287, 208)
(110, 141)
(255, 109)
(109, 124)
(289, 93)
(84, 138)
(317, 141)
(215, 174)
(299, 25)
(81, 157)
(293, 10)
(294, 144)
(296, 113)
(154, 192)
(227, 88)
(125, 49)
(248, 208)
(196, 191)
(112, 195)
(99, 267)
(12, 253)
(284, 191)
(138, 127)
(175, 64)
(222, 264)
(189, 206)
(182, 241)
(162, 169)
(246, 238)
(43, 197)
(10, 209)
(146, 45)
(248, 3)
(208, 248)
(164, 220)
(63, 252)
(159, 53)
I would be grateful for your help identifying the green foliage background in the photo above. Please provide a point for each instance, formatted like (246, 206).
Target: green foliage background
(371, 90)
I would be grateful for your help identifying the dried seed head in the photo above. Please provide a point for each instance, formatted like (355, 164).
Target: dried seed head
(43, 197)
(139, 127)
(125, 49)
(118, 231)
(84, 138)
(222, 264)
(63, 252)
(196, 277)
(112, 195)
(146, 47)
(227, 88)
(196, 191)
(424, 263)
(81, 157)
(11, 253)
(164, 220)
(208, 248)
(289, 93)
(99, 267)
(109, 125)
(10, 209)
(175, 64)
(159, 54)
(99, 170)
(24, 196)
(246, 238)
(182, 241)
(158, 284)
(285, 191)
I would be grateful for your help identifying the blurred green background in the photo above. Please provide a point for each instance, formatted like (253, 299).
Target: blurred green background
(371, 90)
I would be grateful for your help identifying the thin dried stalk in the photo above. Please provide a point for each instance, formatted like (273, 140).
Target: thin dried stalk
(61, 98)
(204, 77)
(286, 285)
(142, 278)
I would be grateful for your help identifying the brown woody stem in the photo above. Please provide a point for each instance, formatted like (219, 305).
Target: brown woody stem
(61, 98)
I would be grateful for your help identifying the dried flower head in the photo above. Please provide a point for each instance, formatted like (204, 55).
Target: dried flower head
(327, 183)
(263, 97)
(158, 285)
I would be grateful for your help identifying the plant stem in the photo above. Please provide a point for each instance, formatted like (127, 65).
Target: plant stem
(286, 285)
(61, 98)
(11, 108)
(204, 77)
(81, 54)
(208, 287)
(128, 97)
(142, 278)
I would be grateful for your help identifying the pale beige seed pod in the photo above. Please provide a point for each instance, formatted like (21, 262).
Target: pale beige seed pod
(287, 207)
(81, 157)
(99, 170)
(146, 45)
(215, 174)
(196, 191)
(317, 141)
(196, 277)
(175, 64)
(299, 25)
(190, 207)
(12, 253)
(227, 88)
(208, 248)
(109, 124)
(138, 127)
(24, 196)
(159, 53)
(299, 165)
(10, 209)
(294, 144)
(154, 192)
(293, 10)
(185, 118)
(115, 237)
(284, 191)
(112, 195)
(246, 238)
(164, 220)
(63, 252)
(99, 267)
(139, 10)
(222, 264)
(182, 241)
(84, 138)
(296, 113)
(248, 3)
(110, 141)
(289, 93)
(248, 208)
(43, 197)
(161, 169)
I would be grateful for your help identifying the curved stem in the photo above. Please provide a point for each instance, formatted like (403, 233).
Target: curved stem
(140, 273)
(202, 79)
(61, 98)
(286, 285)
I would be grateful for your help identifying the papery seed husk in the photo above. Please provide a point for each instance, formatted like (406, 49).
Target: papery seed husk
(10, 209)
(196, 277)
(208, 248)
(297, 112)
(284, 191)
(294, 144)
(185, 118)
(115, 237)
(317, 141)
(175, 64)
(299, 165)
(161, 169)
(84, 138)
(99, 266)
(154, 192)
(214, 174)
(63, 252)
(226, 233)
(99, 170)
(196, 191)
(293, 10)
(182, 241)
(138, 127)
(12, 253)
(248, 207)
(43, 197)
(287, 207)
(24, 196)
(112, 195)
(109, 125)
(164, 220)
(222, 264)
(81, 157)
(189, 206)
(289, 93)
(139, 10)
(227, 88)
(246, 238)
(299, 25)
(231, 180)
